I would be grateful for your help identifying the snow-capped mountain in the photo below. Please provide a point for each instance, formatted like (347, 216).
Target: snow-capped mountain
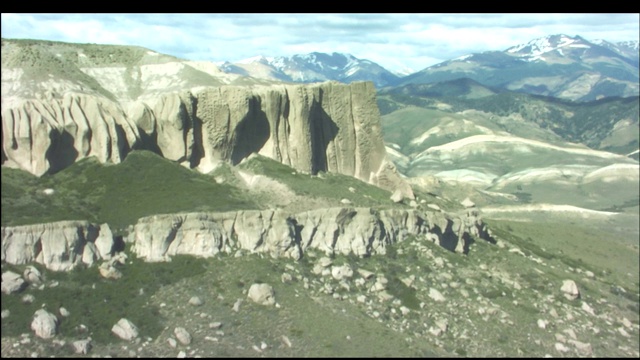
(557, 65)
(313, 67)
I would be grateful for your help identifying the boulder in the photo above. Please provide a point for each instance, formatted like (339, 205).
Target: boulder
(397, 196)
(262, 294)
(570, 289)
(182, 335)
(44, 324)
(341, 272)
(32, 275)
(125, 329)
(81, 346)
(12, 282)
(196, 301)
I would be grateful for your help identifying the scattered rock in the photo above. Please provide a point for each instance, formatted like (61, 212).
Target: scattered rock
(181, 355)
(340, 272)
(325, 262)
(215, 325)
(81, 346)
(196, 301)
(32, 275)
(345, 202)
(588, 309)
(366, 274)
(467, 203)
(172, 342)
(286, 341)
(182, 335)
(28, 298)
(583, 349)
(286, 278)
(12, 282)
(561, 348)
(624, 322)
(397, 196)
(353, 190)
(44, 324)
(108, 271)
(125, 329)
(436, 295)
(236, 305)
(542, 324)
(570, 289)
(433, 206)
(262, 294)
(64, 312)
(5, 314)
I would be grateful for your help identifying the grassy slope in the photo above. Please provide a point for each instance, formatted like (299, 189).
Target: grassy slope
(143, 184)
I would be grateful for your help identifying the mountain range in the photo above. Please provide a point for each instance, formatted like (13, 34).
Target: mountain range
(562, 66)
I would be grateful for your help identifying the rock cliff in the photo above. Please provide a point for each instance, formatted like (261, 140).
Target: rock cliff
(63, 102)
(358, 231)
(321, 127)
(59, 246)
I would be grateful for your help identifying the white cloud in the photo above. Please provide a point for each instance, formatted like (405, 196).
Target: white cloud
(392, 40)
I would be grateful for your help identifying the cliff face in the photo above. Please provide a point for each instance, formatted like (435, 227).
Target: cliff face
(322, 127)
(358, 231)
(59, 246)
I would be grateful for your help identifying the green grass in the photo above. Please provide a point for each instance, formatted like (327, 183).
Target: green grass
(143, 184)
(324, 185)
(99, 303)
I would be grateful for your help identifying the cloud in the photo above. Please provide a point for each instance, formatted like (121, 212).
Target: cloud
(392, 40)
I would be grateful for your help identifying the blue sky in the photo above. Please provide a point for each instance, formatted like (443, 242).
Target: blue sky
(395, 41)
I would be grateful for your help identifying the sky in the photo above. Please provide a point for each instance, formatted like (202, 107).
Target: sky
(398, 42)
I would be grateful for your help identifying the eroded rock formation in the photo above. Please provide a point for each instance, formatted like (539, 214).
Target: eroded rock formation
(319, 127)
(59, 246)
(359, 231)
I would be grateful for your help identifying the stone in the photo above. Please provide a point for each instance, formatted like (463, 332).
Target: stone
(570, 289)
(172, 342)
(340, 272)
(181, 355)
(584, 349)
(345, 202)
(542, 324)
(5, 314)
(262, 294)
(28, 298)
(561, 347)
(236, 305)
(436, 295)
(588, 309)
(44, 324)
(81, 346)
(108, 271)
(467, 203)
(365, 273)
(286, 341)
(286, 278)
(12, 282)
(195, 301)
(182, 335)
(125, 329)
(397, 196)
(32, 275)
(64, 312)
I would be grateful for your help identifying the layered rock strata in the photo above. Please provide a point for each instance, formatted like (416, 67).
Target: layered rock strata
(358, 231)
(319, 127)
(59, 246)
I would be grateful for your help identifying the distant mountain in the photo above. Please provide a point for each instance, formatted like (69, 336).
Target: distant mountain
(609, 124)
(558, 65)
(313, 67)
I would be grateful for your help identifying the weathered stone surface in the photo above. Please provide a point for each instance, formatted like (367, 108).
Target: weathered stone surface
(59, 246)
(570, 289)
(330, 127)
(44, 324)
(81, 346)
(182, 335)
(125, 329)
(359, 231)
(12, 282)
(262, 294)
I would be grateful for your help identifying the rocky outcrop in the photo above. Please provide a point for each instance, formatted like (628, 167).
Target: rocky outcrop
(59, 246)
(319, 127)
(44, 324)
(359, 231)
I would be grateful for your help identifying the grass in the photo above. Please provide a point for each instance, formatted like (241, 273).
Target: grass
(324, 185)
(99, 303)
(143, 184)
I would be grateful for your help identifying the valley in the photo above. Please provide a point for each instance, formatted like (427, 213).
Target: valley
(397, 217)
